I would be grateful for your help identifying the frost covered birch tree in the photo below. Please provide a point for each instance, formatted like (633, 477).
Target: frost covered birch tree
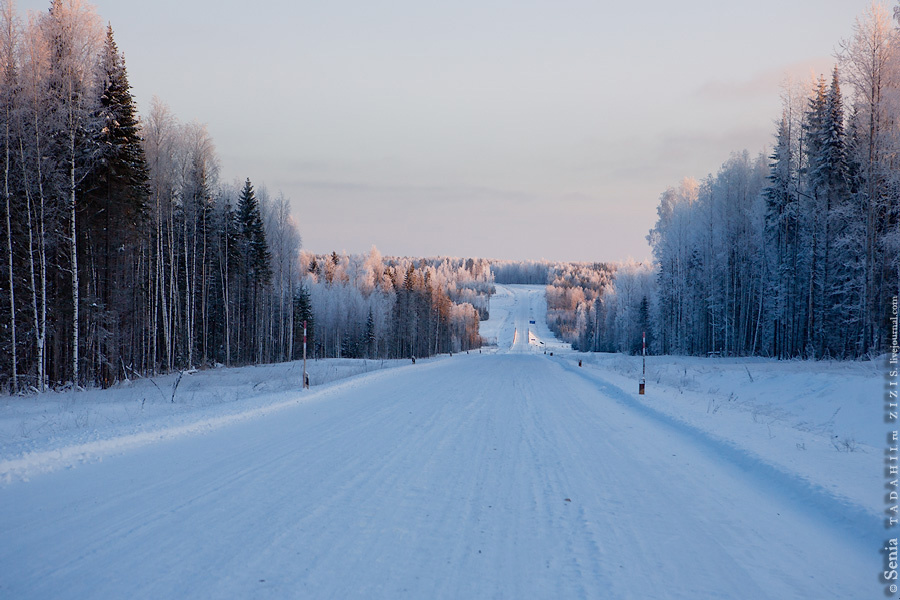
(74, 34)
(870, 63)
(122, 254)
(10, 85)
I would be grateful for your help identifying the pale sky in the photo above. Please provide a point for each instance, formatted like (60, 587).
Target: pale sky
(502, 129)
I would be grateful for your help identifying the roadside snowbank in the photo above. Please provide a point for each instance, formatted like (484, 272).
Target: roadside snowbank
(820, 421)
(53, 430)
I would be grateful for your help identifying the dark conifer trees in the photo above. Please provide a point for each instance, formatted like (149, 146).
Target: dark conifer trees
(370, 342)
(113, 212)
(94, 287)
(781, 234)
(303, 313)
(257, 258)
(256, 271)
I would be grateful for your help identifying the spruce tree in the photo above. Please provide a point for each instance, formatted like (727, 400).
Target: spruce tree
(122, 164)
(256, 253)
(829, 155)
(643, 325)
(256, 272)
(814, 240)
(303, 312)
(369, 340)
(113, 211)
(845, 254)
(781, 235)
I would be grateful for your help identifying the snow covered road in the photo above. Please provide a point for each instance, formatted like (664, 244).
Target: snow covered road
(500, 475)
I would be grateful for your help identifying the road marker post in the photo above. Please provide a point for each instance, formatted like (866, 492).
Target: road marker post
(643, 365)
(305, 375)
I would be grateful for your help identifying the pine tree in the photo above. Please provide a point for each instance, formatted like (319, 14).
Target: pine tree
(643, 325)
(255, 249)
(122, 160)
(369, 339)
(827, 177)
(832, 176)
(303, 312)
(830, 161)
(814, 239)
(114, 209)
(256, 271)
(781, 233)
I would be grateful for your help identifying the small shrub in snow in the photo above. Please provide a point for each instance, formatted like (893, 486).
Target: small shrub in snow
(844, 445)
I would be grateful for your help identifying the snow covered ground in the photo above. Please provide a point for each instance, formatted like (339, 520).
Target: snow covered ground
(821, 422)
(61, 429)
(503, 474)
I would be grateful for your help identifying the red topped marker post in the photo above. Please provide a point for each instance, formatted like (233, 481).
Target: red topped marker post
(305, 376)
(643, 365)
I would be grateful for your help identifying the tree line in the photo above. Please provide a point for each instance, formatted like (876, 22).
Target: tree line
(796, 254)
(123, 255)
(369, 306)
(596, 307)
(793, 253)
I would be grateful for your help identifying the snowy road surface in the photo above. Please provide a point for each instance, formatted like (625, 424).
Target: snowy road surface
(504, 475)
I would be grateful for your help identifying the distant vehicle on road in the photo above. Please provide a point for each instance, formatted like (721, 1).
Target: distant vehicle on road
(531, 321)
